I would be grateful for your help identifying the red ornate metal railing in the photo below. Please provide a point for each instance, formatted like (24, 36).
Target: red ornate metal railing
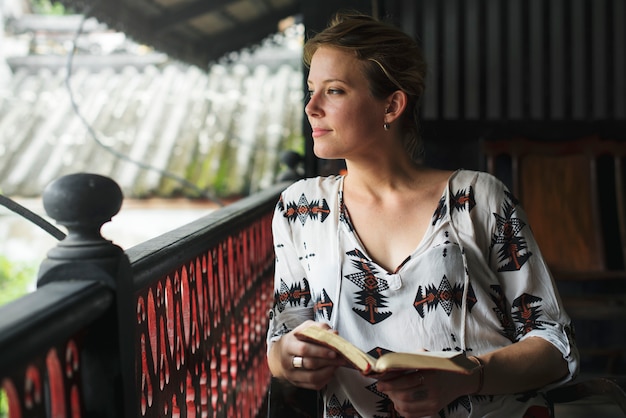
(51, 343)
(173, 327)
(201, 329)
(59, 370)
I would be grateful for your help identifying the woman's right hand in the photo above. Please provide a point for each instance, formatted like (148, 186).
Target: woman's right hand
(303, 363)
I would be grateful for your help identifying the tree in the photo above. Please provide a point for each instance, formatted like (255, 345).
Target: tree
(15, 279)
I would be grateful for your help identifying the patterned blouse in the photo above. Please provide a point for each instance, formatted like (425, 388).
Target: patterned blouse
(475, 283)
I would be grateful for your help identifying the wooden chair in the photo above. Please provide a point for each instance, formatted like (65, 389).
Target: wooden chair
(574, 195)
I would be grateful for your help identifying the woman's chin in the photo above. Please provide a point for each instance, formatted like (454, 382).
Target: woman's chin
(325, 153)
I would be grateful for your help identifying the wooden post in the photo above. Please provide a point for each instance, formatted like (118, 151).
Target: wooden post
(83, 203)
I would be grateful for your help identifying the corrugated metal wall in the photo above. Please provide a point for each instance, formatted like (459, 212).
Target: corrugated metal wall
(521, 59)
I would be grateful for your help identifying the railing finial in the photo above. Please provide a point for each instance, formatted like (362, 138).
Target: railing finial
(82, 203)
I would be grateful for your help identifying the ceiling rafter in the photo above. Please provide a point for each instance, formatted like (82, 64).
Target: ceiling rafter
(246, 34)
(175, 16)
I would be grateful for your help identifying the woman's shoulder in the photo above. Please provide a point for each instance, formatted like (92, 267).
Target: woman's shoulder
(480, 189)
(315, 187)
(315, 198)
(478, 180)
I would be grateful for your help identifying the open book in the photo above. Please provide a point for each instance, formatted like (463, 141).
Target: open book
(439, 360)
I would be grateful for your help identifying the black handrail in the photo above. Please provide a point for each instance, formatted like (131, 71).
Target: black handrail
(162, 254)
(48, 316)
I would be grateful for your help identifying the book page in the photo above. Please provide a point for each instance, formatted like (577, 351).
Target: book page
(440, 360)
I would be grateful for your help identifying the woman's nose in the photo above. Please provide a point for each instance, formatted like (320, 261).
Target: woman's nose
(312, 107)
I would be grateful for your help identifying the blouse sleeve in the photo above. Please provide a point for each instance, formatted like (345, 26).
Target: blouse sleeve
(528, 290)
(292, 296)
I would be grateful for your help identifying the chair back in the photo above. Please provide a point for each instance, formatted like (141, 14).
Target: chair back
(573, 194)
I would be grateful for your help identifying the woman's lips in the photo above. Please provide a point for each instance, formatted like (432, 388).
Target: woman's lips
(317, 132)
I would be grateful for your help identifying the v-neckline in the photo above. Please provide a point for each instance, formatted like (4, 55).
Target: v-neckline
(351, 230)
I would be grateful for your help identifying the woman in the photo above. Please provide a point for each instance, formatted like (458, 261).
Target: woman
(396, 256)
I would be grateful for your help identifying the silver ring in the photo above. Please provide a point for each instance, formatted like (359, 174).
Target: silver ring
(297, 362)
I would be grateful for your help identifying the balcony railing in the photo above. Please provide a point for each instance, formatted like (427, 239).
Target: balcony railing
(173, 327)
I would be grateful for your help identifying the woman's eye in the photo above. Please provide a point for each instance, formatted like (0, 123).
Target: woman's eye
(334, 91)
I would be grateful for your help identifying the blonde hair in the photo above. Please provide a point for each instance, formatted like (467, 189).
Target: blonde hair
(392, 61)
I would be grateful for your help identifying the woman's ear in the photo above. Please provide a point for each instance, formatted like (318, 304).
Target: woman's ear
(396, 104)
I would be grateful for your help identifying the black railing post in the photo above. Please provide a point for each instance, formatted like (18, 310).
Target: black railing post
(83, 203)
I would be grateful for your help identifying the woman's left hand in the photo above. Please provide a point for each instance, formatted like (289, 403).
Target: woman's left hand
(424, 393)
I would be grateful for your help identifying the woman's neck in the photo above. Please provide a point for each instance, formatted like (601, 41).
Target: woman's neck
(377, 179)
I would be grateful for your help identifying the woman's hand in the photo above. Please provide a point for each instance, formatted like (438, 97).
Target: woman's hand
(526, 365)
(303, 363)
(424, 393)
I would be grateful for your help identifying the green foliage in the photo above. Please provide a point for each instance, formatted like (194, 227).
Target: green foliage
(4, 404)
(14, 279)
(48, 7)
(295, 142)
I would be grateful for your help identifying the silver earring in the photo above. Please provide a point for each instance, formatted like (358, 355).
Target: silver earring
(386, 126)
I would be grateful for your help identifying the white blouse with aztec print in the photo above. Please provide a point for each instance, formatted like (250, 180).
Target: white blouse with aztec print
(476, 282)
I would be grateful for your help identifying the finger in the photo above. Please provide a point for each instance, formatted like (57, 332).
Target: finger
(297, 362)
(312, 379)
(308, 348)
(315, 363)
(317, 351)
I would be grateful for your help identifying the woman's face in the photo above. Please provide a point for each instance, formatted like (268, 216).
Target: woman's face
(347, 120)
